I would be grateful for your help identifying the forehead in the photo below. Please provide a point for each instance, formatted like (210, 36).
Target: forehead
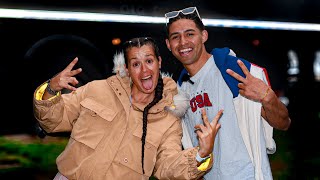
(140, 52)
(182, 25)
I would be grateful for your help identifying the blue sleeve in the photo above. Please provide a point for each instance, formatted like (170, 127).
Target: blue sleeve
(225, 61)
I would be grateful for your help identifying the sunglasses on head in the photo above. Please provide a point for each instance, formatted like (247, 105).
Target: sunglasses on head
(138, 41)
(185, 11)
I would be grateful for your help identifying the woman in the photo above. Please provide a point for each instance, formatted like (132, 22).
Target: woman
(123, 126)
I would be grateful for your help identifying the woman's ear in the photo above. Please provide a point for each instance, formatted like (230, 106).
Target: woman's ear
(160, 60)
(126, 69)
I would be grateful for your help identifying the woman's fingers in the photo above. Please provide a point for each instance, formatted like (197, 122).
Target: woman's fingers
(216, 119)
(72, 64)
(207, 128)
(205, 118)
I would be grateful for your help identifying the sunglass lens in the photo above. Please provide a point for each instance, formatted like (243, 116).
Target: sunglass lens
(172, 14)
(187, 11)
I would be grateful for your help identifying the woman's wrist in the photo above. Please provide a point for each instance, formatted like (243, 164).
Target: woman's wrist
(50, 90)
(201, 159)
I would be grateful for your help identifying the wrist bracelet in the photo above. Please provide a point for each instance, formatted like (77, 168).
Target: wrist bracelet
(49, 90)
(200, 159)
(265, 94)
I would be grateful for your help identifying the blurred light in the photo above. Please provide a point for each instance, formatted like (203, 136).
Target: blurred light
(284, 100)
(293, 69)
(116, 41)
(256, 42)
(273, 25)
(316, 66)
(293, 63)
(103, 17)
(77, 16)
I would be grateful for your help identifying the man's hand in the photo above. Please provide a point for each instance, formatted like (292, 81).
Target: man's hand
(207, 132)
(249, 86)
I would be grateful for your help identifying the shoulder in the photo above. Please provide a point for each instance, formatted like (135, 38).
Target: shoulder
(169, 82)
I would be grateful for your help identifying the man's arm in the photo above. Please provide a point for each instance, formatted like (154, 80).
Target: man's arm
(273, 110)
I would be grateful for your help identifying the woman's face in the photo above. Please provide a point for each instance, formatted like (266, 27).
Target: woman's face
(143, 67)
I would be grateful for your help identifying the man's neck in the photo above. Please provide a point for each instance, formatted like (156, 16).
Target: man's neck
(195, 67)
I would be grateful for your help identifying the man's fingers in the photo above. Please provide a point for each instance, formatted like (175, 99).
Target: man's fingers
(243, 67)
(235, 75)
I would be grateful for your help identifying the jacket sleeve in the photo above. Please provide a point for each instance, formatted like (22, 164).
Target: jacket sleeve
(60, 113)
(173, 162)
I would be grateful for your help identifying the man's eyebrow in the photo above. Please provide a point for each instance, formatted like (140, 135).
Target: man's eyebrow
(188, 30)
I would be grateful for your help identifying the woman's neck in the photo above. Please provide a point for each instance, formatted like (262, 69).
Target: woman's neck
(141, 98)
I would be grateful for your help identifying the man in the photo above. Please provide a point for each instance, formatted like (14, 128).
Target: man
(219, 80)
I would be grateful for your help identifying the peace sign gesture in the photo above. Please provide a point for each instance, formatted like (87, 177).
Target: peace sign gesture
(66, 79)
(207, 132)
(250, 87)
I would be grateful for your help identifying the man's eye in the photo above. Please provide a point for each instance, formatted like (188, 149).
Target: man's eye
(149, 61)
(174, 37)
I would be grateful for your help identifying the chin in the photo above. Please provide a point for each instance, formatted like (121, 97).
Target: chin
(149, 91)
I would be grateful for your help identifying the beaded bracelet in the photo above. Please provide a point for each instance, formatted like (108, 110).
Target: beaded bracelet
(49, 90)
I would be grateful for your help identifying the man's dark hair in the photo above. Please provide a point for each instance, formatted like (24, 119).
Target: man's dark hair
(193, 16)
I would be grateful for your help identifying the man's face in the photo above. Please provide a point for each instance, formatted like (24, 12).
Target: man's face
(186, 41)
(143, 67)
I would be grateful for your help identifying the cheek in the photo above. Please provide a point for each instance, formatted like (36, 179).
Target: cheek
(173, 44)
(155, 67)
(133, 74)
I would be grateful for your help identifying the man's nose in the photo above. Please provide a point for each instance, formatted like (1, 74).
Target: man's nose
(183, 40)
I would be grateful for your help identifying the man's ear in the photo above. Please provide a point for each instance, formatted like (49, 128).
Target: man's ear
(168, 44)
(205, 36)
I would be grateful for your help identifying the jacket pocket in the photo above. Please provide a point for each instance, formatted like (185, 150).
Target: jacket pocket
(150, 149)
(93, 123)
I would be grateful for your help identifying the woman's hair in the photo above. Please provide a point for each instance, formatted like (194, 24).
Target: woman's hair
(193, 16)
(139, 42)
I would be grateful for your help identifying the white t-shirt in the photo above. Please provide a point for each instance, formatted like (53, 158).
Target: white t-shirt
(210, 91)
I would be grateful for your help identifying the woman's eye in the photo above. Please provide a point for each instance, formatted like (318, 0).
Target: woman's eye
(135, 64)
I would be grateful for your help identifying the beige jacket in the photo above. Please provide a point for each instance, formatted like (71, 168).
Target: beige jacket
(106, 131)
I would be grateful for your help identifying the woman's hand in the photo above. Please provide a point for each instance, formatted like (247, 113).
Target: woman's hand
(207, 132)
(66, 79)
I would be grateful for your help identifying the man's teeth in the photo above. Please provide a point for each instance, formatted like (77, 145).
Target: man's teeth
(185, 50)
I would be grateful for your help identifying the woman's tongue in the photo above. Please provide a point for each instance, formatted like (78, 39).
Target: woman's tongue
(147, 83)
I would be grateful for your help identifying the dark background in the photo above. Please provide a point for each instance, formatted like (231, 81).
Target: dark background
(32, 51)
